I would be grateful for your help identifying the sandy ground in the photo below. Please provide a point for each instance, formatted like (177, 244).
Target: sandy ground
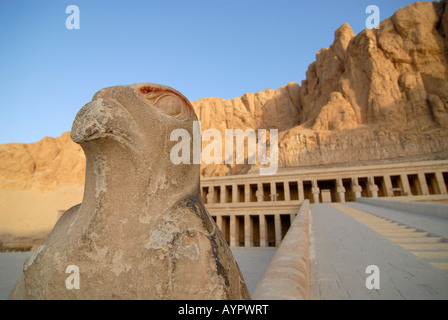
(31, 212)
(252, 263)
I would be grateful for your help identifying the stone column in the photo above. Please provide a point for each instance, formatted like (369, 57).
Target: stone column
(356, 188)
(247, 231)
(278, 230)
(233, 231)
(315, 190)
(300, 189)
(235, 195)
(441, 182)
(223, 194)
(341, 190)
(263, 231)
(273, 194)
(287, 192)
(219, 222)
(423, 185)
(405, 184)
(210, 195)
(373, 188)
(246, 192)
(259, 193)
(388, 185)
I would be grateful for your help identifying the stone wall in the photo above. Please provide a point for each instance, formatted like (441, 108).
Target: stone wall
(287, 276)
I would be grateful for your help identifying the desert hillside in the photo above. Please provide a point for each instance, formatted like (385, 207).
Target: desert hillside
(378, 95)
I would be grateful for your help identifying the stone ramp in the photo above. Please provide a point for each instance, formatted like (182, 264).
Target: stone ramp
(433, 224)
(344, 246)
(432, 249)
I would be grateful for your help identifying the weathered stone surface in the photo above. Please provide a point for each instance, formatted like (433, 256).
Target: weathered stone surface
(337, 115)
(268, 109)
(287, 276)
(141, 231)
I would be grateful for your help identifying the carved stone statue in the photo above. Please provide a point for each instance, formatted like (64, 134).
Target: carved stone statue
(373, 187)
(315, 191)
(210, 195)
(357, 189)
(341, 190)
(141, 231)
(259, 193)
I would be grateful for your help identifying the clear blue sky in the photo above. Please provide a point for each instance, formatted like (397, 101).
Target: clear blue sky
(203, 48)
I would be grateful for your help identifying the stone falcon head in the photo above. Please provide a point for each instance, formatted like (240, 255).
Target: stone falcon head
(135, 121)
(116, 112)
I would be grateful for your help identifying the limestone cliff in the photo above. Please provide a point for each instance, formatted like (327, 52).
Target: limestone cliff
(381, 94)
(378, 95)
(268, 109)
(46, 165)
(392, 75)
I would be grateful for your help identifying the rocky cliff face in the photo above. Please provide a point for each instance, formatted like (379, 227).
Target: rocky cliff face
(46, 165)
(378, 95)
(268, 109)
(393, 75)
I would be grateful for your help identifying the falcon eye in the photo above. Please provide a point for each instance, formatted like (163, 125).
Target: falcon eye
(171, 105)
(166, 100)
(146, 90)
